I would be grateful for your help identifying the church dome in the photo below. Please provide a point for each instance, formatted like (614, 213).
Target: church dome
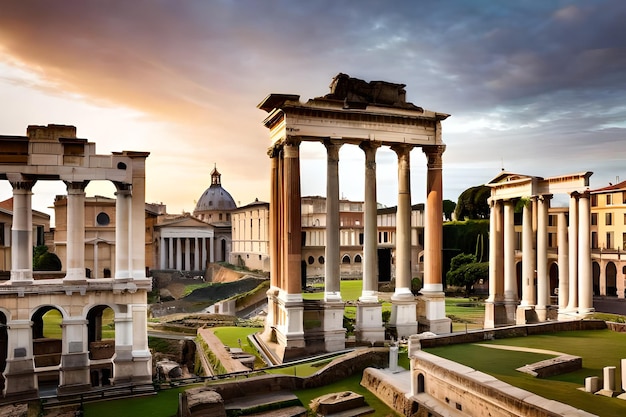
(215, 198)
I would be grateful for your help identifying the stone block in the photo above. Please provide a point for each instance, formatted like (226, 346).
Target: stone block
(592, 384)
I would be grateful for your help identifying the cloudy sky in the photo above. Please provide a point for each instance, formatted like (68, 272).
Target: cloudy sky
(535, 87)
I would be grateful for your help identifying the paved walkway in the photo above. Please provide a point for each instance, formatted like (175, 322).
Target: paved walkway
(521, 349)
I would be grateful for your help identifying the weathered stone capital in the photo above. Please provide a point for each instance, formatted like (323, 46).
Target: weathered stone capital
(76, 187)
(123, 188)
(332, 149)
(402, 149)
(434, 154)
(21, 182)
(291, 150)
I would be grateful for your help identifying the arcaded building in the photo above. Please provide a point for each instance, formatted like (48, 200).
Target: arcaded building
(78, 358)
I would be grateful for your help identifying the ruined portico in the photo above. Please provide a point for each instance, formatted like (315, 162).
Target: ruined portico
(505, 305)
(368, 115)
(54, 153)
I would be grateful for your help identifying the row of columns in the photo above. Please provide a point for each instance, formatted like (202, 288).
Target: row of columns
(504, 305)
(176, 252)
(286, 225)
(129, 240)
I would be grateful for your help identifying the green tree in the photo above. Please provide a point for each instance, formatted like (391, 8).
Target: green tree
(473, 204)
(448, 209)
(465, 271)
(44, 260)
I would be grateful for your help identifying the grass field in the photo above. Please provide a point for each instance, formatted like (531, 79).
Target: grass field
(598, 349)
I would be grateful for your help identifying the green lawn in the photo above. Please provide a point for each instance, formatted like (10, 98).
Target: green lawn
(598, 349)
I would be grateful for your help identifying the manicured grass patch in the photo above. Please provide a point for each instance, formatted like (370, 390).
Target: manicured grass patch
(235, 337)
(465, 313)
(352, 383)
(192, 287)
(164, 404)
(350, 291)
(598, 348)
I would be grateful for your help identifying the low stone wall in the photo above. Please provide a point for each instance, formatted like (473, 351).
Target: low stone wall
(513, 331)
(463, 389)
(395, 397)
(554, 366)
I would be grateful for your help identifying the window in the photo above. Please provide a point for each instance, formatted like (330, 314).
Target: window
(608, 219)
(2, 234)
(310, 260)
(321, 260)
(609, 199)
(102, 219)
(594, 200)
(594, 219)
(609, 240)
(361, 237)
(623, 197)
(345, 259)
(357, 259)
(623, 240)
(594, 240)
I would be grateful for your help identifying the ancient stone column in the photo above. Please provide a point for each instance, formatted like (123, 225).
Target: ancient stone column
(332, 291)
(292, 218)
(370, 240)
(528, 257)
(137, 219)
(543, 280)
(187, 264)
(510, 279)
(403, 225)
(179, 254)
(432, 306)
(22, 232)
(196, 254)
(563, 260)
(122, 231)
(75, 263)
(433, 229)
(585, 282)
(493, 310)
(163, 254)
(170, 254)
(572, 302)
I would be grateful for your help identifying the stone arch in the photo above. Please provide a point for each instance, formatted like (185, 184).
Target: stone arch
(421, 386)
(554, 279)
(596, 278)
(47, 347)
(37, 318)
(358, 259)
(345, 259)
(610, 272)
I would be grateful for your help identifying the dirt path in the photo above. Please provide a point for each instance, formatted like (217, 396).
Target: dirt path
(521, 349)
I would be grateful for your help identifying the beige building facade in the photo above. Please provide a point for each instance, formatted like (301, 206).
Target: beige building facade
(79, 360)
(250, 236)
(608, 240)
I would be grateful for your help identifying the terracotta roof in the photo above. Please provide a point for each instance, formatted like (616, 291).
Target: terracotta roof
(611, 187)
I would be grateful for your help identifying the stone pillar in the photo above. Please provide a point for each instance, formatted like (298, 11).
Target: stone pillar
(495, 314)
(585, 281)
(370, 227)
(369, 323)
(187, 266)
(528, 257)
(179, 254)
(142, 358)
(332, 292)
(563, 261)
(163, 254)
(74, 370)
(122, 231)
(123, 359)
(510, 279)
(170, 255)
(403, 307)
(196, 254)
(75, 262)
(432, 300)
(22, 232)
(572, 302)
(204, 257)
(19, 372)
(137, 253)
(274, 242)
(543, 279)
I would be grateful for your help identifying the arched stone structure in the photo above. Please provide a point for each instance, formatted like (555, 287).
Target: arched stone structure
(369, 115)
(574, 250)
(54, 152)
